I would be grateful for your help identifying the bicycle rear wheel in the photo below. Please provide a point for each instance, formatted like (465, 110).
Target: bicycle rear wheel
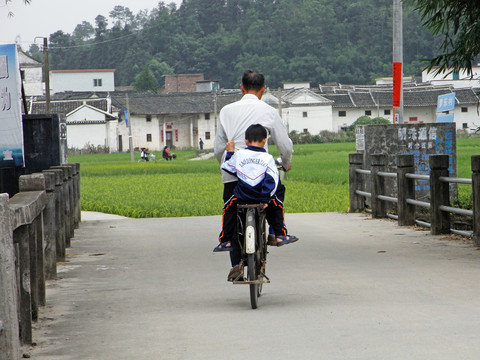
(252, 265)
(252, 276)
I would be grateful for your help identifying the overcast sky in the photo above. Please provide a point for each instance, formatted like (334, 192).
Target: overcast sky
(43, 17)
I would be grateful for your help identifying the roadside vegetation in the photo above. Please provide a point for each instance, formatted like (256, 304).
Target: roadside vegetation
(318, 182)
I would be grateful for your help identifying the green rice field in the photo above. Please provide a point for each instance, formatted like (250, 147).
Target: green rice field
(318, 182)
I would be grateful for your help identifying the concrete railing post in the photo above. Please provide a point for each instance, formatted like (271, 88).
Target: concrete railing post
(405, 190)
(36, 182)
(77, 209)
(439, 195)
(9, 329)
(357, 202)
(60, 238)
(49, 223)
(476, 198)
(378, 163)
(71, 200)
(65, 203)
(21, 237)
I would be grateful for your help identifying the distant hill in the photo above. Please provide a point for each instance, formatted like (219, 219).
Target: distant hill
(320, 41)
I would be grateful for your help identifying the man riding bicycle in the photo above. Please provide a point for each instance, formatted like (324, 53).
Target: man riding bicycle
(234, 119)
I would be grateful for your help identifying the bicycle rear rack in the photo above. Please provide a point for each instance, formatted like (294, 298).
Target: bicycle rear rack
(240, 280)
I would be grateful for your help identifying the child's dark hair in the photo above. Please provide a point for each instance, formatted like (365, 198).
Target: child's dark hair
(255, 132)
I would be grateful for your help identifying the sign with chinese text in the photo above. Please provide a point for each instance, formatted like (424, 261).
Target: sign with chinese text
(11, 135)
(446, 102)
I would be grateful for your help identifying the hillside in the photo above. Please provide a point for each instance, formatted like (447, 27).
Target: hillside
(320, 41)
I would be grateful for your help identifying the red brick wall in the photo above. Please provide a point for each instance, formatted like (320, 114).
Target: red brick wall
(182, 82)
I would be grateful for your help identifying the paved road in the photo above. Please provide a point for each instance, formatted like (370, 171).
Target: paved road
(351, 288)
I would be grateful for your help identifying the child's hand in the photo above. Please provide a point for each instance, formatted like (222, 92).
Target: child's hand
(264, 205)
(230, 146)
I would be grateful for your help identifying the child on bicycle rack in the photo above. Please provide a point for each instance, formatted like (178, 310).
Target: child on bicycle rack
(257, 182)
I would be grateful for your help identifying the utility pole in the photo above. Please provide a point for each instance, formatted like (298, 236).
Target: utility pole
(130, 139)
(47, 74)
(398, 56)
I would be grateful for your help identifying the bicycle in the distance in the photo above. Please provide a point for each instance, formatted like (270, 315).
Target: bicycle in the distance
(252, 237)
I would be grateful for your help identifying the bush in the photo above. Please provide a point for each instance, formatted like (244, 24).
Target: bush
(325, 136)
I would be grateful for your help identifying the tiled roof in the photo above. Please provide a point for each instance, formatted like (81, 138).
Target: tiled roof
(382, 96)
(179, 103)
(65, 107)
(149, 103)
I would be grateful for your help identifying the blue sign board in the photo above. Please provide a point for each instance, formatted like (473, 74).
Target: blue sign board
(447, 118)
(446, 102)
(11, 135)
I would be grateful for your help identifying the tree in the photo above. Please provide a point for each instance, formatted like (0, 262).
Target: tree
(456, 22)
(367, 120)
(83, 32)
(145, 81)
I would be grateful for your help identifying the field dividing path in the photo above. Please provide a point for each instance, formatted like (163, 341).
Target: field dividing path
(351, 288)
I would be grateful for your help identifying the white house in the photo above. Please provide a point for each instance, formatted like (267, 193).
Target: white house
(307, 111)
(90, 126)
(453, 78)
(32, 74)
(98, 80)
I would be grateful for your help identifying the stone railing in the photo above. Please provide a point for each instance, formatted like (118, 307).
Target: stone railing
(36, 226)
(371, 184)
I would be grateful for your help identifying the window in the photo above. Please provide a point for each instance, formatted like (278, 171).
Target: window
(386, 112)
(97, 82)
(464, 109)
(305, 130)
(368, 112)
(207, 116)
(464, 126)
(148, 117)
(342, 113)
(149, 137)
(305, 114)
(207, 135)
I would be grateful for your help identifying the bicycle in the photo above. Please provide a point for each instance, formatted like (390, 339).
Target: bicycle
(252, 236)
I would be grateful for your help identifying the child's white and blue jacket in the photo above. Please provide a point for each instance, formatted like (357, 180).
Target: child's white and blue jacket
(256, 172)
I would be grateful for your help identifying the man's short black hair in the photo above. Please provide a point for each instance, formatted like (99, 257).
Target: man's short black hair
(253, 80)
(255, 133)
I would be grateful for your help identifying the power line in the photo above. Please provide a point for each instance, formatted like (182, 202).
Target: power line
(94, 43)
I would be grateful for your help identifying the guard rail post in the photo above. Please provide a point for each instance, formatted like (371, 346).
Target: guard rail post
(65, 203)
(439, 195)
(59, 223)
(405, 190)
(9, 329)
(476, 198)
(378, 163)
(357, 203)
(76, 194)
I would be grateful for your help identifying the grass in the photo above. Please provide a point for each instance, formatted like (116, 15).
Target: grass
(318, 182)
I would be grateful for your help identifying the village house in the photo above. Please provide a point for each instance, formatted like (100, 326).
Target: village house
(32, 74)
(98, 80)
(187, 110)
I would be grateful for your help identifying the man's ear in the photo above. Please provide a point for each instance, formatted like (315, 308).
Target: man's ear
(246, 142)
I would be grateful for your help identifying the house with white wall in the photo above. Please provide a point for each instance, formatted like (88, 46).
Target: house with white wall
(32, 74)
(180, 120)
(456, 79)
(177, 120)
(89, 126)
(98, 80)
(305, 111)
